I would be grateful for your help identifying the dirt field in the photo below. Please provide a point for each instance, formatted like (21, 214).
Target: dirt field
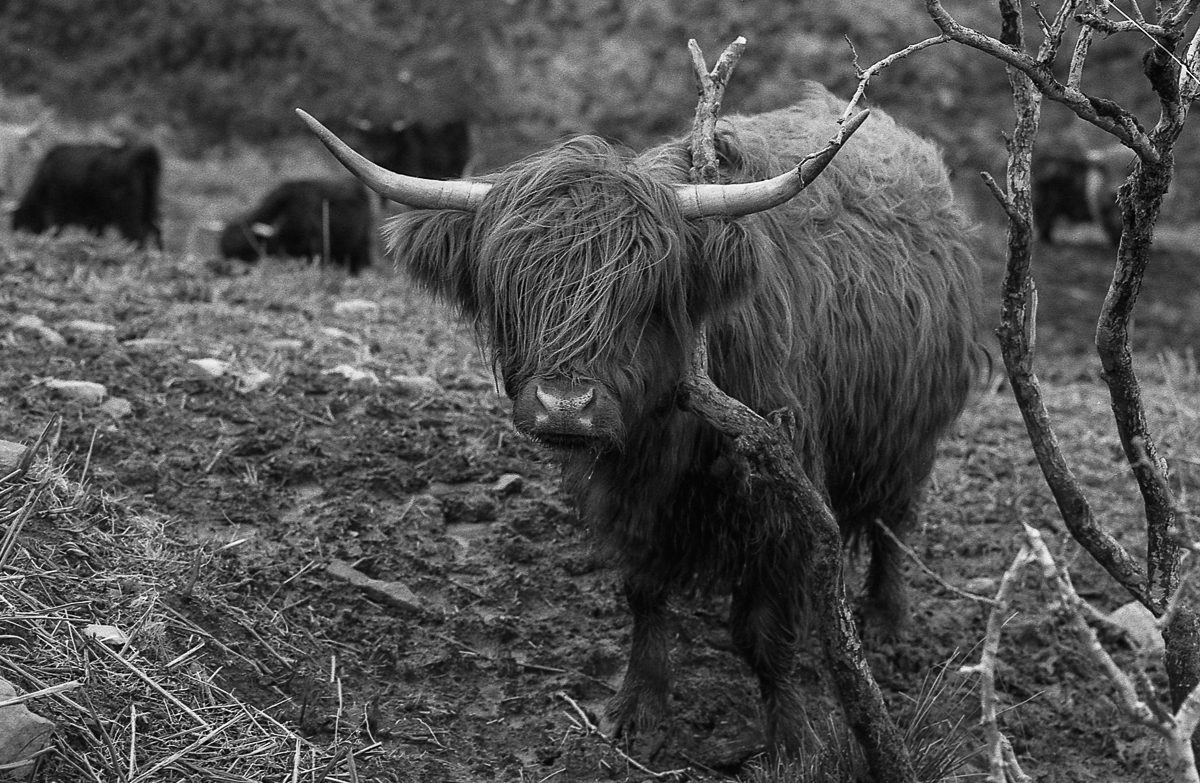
(257, 483)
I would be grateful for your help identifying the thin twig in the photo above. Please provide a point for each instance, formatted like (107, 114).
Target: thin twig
(916, 558)
(149, 681)
(593, 729)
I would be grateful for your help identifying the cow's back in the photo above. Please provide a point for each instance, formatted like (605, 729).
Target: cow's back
(884, 293)
(59, 192)
(864, 320)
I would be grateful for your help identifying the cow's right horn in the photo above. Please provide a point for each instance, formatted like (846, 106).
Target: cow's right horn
(746, 198)
(401, 188)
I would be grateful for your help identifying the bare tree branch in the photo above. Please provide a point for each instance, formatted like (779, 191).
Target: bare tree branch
(778, 473)
(1017, 330)
(1082, 44)
(1053, 32)
(1102, 113)
(711, 88)
(1002, 762)
(864, 77)
(1177, 729)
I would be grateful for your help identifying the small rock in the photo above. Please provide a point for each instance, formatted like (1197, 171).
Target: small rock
(349, 307)
(11, 456)
(83, 326)
(1138, 622)
(116, 407)
(252, 380)
(208, 368)
(340, 334)
(508, 484)
(84, 391)
(982, 585)
(27, 321)
(109, 634)
(394, 593)
(353, 373)
(22, 734)
(32, 326)
(415, 384)
(48, 335)
(148, 343)
(285, 344)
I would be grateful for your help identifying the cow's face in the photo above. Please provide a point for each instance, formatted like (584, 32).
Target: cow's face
(586, 287)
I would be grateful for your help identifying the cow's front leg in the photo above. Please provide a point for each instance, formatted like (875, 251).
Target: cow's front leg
(764, 619)
(641, 702)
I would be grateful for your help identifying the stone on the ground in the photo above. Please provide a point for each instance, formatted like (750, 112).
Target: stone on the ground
(109, 634)
(416, 384)
(352, 373)
(22, 734)
(32, 326)
(982, 585)
(11, 455)
(394, 593)
(208, 369)
(1138, 622)
(508, 484)
(84, 326)
(340, 334)
(116, 407)
(285, 344)
(252, 380)
(85, 391)
(356, 307)
(148, 343)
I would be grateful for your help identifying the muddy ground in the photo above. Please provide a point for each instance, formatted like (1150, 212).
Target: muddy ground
(263, 483)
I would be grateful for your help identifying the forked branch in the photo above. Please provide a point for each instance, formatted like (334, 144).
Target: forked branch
(1101, 112)
(778, 474)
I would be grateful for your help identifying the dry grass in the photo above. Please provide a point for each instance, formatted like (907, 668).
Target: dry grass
(141, 709)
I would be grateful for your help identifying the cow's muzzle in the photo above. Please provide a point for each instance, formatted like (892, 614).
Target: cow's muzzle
(566, 415)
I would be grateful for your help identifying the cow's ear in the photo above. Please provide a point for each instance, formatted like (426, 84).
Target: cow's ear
(433, 247)
(724, 260)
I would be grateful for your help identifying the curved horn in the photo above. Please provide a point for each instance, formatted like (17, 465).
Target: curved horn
(401, 188)
(746, 198)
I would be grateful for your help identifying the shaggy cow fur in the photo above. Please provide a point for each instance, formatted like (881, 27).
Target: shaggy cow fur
(853, 306)
(301, 218)
(95, 186)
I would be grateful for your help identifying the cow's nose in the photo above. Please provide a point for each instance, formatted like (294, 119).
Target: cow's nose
(567, 415)
(564, 405)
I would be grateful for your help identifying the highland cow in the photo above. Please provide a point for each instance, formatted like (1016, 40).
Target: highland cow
(419, 149)
(95, 186)
(587, 272)
(1079, 186)
(305, 218)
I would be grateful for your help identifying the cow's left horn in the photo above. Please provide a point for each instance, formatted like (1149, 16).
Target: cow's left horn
(401, 188)
(746, 198)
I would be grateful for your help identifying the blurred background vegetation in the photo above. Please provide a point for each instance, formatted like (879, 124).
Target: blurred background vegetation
(524, 71)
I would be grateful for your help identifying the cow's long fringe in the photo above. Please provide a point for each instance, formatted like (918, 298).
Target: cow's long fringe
(571, 248)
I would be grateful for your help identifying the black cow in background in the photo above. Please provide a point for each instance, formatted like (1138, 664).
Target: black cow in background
(418, 149)
(1080, 186)
(95, 186)
(305, 218)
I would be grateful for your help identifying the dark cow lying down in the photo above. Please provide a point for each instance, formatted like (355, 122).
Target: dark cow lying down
(306, 218)
(587, 271)
(94, 186)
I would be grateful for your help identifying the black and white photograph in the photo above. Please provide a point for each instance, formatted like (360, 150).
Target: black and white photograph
(575, 391)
